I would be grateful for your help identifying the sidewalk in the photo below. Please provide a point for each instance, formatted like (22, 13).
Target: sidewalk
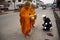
(8, 12)
(57, 17)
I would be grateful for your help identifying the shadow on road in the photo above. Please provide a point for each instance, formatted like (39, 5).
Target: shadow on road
(57, 22)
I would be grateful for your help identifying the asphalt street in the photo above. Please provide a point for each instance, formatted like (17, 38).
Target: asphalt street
(10, 28)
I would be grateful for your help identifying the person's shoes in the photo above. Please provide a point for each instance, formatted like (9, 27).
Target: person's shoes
(46, 29)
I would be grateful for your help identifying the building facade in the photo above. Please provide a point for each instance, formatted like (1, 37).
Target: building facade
(14, 3)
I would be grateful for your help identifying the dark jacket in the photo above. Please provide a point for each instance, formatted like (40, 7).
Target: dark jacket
(48, 21)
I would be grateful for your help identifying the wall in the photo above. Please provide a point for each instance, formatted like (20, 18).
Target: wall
(11, 7)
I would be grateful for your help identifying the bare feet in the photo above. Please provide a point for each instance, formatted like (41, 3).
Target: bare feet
(27, 36)
(33, 26)
(46, 39)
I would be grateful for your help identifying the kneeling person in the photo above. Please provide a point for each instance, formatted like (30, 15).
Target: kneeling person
(47, 23)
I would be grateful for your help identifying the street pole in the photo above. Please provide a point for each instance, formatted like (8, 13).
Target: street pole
(14, 4)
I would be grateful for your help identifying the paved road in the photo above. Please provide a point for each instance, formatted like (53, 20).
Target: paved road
(10, 28)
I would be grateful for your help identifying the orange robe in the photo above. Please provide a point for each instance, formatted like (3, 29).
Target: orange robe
(25, 21)
(32, 10)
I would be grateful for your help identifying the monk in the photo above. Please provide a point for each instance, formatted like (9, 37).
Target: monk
(26, 18)
(32, 10)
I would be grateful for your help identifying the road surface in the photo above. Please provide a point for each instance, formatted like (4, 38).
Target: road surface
(10, 28)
